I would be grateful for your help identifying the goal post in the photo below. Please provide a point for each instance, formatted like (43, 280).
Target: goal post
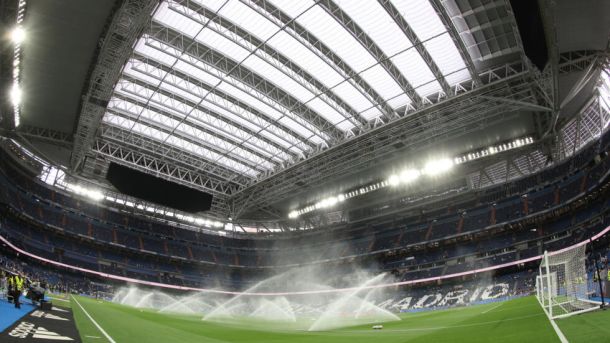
(562, 286)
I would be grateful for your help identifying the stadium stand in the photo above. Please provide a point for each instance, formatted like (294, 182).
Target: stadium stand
(504, 223)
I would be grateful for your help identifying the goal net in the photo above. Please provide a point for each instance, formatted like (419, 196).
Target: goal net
(562, 284)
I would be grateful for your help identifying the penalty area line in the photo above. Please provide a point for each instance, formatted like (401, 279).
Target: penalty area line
(94, 322)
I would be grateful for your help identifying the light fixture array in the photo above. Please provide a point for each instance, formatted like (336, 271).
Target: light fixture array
(517, 143)
(433, 168)
(17, 36)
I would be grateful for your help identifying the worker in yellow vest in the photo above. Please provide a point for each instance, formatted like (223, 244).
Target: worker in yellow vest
(16, 284)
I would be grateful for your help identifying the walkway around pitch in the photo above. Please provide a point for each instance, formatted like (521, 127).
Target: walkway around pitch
(37, 325)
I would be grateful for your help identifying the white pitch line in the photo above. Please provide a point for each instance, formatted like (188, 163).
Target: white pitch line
(493, 308)
(560, 334)
(94, 322)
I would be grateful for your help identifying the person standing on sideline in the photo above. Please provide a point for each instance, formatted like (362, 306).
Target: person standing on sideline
(16, 285)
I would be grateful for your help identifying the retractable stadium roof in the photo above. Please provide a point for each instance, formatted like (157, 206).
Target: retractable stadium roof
(254, 101)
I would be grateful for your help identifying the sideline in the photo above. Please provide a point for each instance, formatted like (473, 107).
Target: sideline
(93, 321)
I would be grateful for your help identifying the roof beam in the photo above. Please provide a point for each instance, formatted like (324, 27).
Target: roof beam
(117, 44)
(193, 123)
(174, 98)
(301, 34)
(263, 50)
(60, 138)
(212, 146)
(354, 29)
(138, 160)
(255, 117)
(443, 15)
(165, 152)
(221, 62)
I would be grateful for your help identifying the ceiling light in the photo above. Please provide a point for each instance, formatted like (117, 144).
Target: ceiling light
(438, 166)
(18, 35)
(15, 95)
(394, 180)
(409, 175)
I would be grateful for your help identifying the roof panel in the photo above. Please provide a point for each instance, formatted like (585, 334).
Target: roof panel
(331, 33)
(305, 58)
(330, 114)
(377, 24)
(293, 8)
(249, 20)
(220, 43)
(382, 82)
(417, 72)
(168, 17)
(421, 16)
(446, 56)
(352, 96)
(278, 78)
(399, 101)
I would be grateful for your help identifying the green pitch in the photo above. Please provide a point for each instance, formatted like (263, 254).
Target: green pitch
(520, 320)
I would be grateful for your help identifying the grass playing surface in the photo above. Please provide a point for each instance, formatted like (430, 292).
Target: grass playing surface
(519, 320)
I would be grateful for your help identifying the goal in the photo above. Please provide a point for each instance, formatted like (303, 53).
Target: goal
(562, 286)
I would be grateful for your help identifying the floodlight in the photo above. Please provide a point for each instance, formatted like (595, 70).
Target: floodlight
(15, 95)
(293, 214)
(394, 180)
(341, 197)
(409, 175)
(437, 167)
(18, 35)
(95, 195)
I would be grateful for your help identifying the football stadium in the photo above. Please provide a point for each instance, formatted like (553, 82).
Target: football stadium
(304, 171)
